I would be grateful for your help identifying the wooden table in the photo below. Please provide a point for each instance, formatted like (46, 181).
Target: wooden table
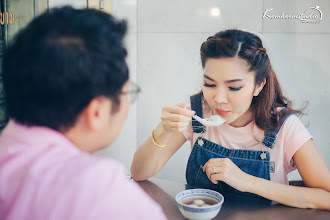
(164, 192)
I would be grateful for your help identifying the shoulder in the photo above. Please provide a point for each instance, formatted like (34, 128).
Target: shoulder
(292, 123)
(293, 134)
(288, 121)
(81, 171)
(103, 186)
(106, 170)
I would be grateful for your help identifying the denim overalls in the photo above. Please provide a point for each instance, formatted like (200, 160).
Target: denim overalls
(256, 163)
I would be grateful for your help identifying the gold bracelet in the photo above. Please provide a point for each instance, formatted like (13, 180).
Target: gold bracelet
(154, 141)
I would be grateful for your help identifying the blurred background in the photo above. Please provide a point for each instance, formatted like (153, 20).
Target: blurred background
(163, 44)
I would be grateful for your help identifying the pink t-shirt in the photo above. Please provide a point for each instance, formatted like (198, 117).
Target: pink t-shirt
(44, 176)
(291, 137)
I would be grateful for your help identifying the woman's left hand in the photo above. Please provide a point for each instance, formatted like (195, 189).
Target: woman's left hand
(223, 169)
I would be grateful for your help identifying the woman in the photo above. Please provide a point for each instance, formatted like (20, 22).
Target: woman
(261, 141)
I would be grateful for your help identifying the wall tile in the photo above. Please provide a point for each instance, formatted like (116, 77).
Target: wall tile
(73, 3)
(197, 16)
(126, 9)
(301, 62)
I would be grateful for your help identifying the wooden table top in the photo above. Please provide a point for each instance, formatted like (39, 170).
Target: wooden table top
(164, 192)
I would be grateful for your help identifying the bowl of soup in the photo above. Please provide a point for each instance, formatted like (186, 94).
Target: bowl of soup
(199, 204)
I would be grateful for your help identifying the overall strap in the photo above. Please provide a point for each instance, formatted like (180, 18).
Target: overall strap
(270, 136)
(196, 105)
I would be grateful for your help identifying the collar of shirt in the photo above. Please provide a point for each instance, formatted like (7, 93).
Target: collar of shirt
(36, 135)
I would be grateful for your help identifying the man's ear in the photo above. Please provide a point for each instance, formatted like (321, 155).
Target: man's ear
(259, 88)
(97, 113)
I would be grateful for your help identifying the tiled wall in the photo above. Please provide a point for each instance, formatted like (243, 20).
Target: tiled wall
(73, 3)
(125, 146)
(163, 43)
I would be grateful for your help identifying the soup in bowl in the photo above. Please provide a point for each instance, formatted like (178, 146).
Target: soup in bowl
(199, 204)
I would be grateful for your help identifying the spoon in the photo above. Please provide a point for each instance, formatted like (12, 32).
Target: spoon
(214, 120)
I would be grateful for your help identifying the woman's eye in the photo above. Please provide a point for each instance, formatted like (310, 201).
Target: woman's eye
(235, 88)
(209, 85)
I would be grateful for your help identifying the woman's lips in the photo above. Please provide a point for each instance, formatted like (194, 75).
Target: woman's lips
(221, 112)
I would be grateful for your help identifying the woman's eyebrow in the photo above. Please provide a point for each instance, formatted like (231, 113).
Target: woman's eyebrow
(207, 77)
(233, 80)
(228, 81)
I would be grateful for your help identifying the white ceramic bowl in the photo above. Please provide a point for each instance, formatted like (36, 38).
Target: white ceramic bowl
(199, 213)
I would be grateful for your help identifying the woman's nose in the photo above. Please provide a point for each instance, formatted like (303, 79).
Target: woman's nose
(220, 96)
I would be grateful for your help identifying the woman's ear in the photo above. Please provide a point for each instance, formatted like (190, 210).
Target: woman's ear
(97, 113)
(259, 88)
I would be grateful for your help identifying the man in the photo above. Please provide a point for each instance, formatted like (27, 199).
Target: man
(67, 88)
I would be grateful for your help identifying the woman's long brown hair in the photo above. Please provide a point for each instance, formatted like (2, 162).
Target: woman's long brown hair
(247, 46)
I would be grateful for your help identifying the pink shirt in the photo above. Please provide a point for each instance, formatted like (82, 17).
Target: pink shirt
(291, 137)
(44, 176)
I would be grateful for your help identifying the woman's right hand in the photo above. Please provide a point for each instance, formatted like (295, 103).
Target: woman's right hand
(176, 118)
(149, 158)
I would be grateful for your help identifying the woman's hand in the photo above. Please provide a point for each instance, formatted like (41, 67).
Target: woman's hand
(223, 169)
(149, 159)
(176, 118)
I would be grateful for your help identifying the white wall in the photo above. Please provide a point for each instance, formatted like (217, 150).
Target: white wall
(125, 146)
(73, 3)
(163, 43)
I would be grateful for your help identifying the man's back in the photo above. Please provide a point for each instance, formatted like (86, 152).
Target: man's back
(44, 176)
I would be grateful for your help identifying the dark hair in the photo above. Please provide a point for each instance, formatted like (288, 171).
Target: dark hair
(60, 62)
(247, 46)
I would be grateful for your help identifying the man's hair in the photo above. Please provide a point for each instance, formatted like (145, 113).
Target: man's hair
(60, 62)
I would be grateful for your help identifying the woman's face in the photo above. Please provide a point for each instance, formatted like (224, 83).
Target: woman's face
(229, 88)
